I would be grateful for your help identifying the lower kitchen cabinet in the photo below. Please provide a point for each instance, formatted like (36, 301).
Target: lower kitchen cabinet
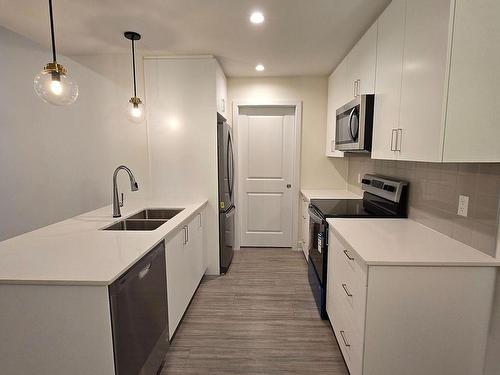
(304, 226)
(185, 268)
(404, 319)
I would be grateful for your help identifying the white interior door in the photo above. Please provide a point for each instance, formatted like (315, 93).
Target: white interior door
(267, 153)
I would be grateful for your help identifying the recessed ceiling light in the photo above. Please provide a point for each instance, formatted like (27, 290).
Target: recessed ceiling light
(257, 17)
(259, 68)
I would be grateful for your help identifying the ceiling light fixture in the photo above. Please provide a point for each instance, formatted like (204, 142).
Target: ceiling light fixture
(257, 17)
(53, 84)
(135, 108)
(259, 68)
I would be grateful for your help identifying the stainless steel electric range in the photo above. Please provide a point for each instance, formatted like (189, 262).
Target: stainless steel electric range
(383, 197)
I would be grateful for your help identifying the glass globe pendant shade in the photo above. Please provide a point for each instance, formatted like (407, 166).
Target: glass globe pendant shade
(53, 85)
(135, 110)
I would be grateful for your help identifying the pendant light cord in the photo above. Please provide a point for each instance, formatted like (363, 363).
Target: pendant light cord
(133, 68)
(52, 34)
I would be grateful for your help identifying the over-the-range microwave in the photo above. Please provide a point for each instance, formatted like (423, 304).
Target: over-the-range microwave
(353, 131)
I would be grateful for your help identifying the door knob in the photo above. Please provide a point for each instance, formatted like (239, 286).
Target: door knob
(289, 186)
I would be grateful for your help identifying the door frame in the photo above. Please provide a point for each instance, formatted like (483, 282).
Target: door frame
(297, 142)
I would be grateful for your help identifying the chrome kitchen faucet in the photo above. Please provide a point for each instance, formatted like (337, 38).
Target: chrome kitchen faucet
(117, 203)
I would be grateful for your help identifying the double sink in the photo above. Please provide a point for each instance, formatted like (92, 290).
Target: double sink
(145, 220)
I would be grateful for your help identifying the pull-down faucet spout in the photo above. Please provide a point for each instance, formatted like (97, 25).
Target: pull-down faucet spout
(133, 186)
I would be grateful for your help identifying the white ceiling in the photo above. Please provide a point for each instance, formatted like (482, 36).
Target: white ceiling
(299, 37)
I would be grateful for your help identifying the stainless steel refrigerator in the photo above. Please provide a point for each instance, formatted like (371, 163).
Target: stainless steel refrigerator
(227, 208)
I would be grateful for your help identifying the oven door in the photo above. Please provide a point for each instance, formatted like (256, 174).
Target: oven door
(318, 229)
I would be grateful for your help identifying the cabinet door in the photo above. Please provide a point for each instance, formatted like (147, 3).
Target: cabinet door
(333, 104)
(221, 91)
(177, 280)
(305, 227)
(361, 63)
(472, 125)
(390, 45)
(426, 57)
(343, 88)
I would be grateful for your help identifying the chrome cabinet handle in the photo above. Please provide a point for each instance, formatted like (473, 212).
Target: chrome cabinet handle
(346, 290)
(399, 138)
(354, 87)
(347, 255)
(346, 343)
(394, 131)
(358, 85)
(186, 235)
(201, 221)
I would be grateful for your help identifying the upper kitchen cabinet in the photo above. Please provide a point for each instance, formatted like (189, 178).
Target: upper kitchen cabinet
(338, 95)
(436, 88)
(390, 46)
(221, 91)
(423, 88)
(354, 76)
(472, 121)
(361, 63)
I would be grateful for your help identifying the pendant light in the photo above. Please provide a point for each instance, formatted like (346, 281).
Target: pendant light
(53, 84)
(135, 107)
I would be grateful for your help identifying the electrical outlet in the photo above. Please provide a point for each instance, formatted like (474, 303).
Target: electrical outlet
(463, 205)
(359, 178)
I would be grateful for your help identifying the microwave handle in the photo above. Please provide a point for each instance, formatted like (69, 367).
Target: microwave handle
(350, 119)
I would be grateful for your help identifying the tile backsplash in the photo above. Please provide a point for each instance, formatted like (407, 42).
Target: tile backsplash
(434, 193)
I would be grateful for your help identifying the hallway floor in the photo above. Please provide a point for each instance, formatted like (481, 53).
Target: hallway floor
(258, 319)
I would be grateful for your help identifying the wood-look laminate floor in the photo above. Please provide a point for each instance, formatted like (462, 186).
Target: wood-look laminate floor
(260, 318)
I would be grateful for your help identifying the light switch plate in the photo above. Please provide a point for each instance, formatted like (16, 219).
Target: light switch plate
(463, 205)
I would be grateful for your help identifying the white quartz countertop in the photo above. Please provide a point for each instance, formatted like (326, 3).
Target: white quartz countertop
(329, 194)
(76, 251)
(406, 242)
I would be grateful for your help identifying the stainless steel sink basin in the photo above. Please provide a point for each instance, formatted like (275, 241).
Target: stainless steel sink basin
(156, 214)
(138, 225)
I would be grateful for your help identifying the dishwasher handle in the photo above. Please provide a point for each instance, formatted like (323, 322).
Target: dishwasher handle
(138, 271)
(144, 272)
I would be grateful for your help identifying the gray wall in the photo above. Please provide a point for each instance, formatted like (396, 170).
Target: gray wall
(434, 191)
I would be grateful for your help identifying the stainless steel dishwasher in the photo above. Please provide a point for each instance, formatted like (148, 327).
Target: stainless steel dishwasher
(139, 316)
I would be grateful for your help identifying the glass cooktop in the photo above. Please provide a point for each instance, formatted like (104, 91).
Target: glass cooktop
(329, 208)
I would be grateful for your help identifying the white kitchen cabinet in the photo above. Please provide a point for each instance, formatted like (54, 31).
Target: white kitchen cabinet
(473, 113)
(389, 70)
(182, 126)
(221, 91)
(185, 268)
(354, 76)
(447, 88)
(424, 80)
(361, 63)
(338, 94)
(304, 222)
(404, 319)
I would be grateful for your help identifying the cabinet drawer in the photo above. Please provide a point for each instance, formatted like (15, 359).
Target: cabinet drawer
(350, 341)
(348, 259)
(348, 282)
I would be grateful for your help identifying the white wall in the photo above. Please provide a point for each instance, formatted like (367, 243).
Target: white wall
(317, 171)
(57, 162)
(182, 123)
